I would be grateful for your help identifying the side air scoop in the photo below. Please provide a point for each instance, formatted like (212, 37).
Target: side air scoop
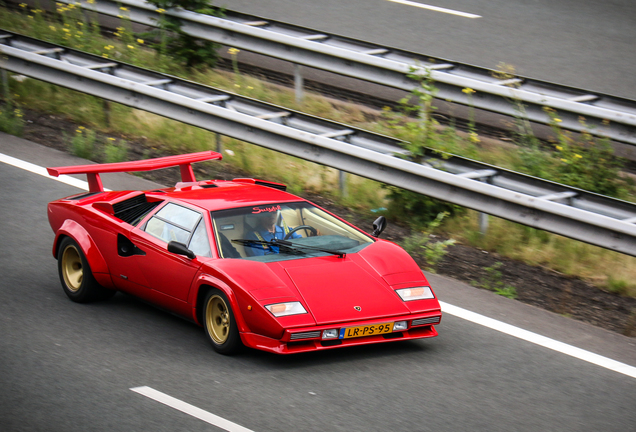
(93, 171)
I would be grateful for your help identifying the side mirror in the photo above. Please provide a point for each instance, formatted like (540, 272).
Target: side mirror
(378, 226)
(180, 249)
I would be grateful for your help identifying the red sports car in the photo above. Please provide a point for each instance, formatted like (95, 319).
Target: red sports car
(251, 263)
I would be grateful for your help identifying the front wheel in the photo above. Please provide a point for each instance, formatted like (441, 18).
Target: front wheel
(76, 276)
(219, 323)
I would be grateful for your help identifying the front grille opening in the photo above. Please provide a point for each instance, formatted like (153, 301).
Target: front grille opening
(330, 343)
(305, 335)
(425, 321)
(395, 335)
(299, 344)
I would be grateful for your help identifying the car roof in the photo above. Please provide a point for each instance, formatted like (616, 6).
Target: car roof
(214, 195)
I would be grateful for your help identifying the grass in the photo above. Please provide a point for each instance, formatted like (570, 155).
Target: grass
(609, 270)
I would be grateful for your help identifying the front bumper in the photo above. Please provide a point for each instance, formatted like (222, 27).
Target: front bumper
(306, 339)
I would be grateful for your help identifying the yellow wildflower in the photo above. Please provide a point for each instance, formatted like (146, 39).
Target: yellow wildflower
(474, 137)
(82, 127)
(23, 5)
(90, 1)
(468, 91)
(233, 51)
(140, 41)
(123, 8)
(131, 47)
(78, 131)
(578, 156)
(105, 55)
(237, 85)
(111, 139)
(557, 120)
(250, 88)
(31, 16)
(71, 6)
(564, 160)
(559, 148)
(160, 10)
(66, 30)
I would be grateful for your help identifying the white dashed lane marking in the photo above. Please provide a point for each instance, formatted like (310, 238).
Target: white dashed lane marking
(186, 408)
(435, 8)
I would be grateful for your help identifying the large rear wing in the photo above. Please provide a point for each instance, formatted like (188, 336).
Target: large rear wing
(93, 171)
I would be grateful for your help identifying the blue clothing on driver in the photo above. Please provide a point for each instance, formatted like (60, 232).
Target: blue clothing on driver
(264, 234)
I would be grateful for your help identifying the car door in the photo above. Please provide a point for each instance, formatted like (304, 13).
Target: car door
(168, 273)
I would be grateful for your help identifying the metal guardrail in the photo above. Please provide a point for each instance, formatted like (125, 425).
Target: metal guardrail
(389, 67)
(581, 215)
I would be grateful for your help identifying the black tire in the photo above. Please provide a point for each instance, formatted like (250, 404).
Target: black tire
(76, 276)
(219, 323)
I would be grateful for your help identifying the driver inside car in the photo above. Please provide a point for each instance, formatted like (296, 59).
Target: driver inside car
(266, 229)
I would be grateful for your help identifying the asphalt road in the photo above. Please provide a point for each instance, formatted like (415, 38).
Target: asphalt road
(70, 367)
(580, 43)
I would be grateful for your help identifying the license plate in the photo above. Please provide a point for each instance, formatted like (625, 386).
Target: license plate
(368, 330)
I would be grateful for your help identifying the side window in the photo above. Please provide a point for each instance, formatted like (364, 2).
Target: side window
(199, 243)
(177, 223)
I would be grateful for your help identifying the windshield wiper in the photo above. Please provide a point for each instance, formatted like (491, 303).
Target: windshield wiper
(287, 245)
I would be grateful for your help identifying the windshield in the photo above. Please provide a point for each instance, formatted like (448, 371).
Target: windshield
(276, 232)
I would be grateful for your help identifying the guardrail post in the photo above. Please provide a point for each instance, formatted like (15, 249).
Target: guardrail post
(483, 223)
(106, 106)
(342, 180)
(5, 84)
(298, 82)
(219, 144)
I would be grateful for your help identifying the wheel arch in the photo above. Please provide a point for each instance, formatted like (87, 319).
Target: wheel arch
(207, 283)
(96, 261)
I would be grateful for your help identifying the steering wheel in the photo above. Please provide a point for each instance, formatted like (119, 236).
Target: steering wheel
(313, 230)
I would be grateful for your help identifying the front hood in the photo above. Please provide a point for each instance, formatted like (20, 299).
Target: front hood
(337, 290)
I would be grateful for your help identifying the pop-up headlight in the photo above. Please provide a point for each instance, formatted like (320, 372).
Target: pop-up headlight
(415, 293)
(284, 309)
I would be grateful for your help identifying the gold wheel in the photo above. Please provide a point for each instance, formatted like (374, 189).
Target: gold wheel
(218, 319)
(72, 269)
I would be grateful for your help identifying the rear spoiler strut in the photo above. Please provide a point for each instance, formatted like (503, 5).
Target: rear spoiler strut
(93, 171)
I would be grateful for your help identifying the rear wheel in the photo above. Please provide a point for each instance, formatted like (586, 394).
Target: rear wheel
(76, 276)
(219, 323)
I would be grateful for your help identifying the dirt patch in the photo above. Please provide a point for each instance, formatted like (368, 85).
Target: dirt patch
(534, 285)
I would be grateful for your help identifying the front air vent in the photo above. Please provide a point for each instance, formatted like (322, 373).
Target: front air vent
(425, 321)
(134, 209)
(271, 184)
(305, 335)
(208, 186)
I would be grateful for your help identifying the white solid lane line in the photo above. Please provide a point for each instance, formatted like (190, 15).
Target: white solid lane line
(36, 169)
(537, 339)
(185, 407)
(446, 308)
(436, 8)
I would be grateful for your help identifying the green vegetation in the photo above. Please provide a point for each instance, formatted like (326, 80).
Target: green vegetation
(420, 244)
(492, 281)
(11, 121)
(170, 39)
(581, 160)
